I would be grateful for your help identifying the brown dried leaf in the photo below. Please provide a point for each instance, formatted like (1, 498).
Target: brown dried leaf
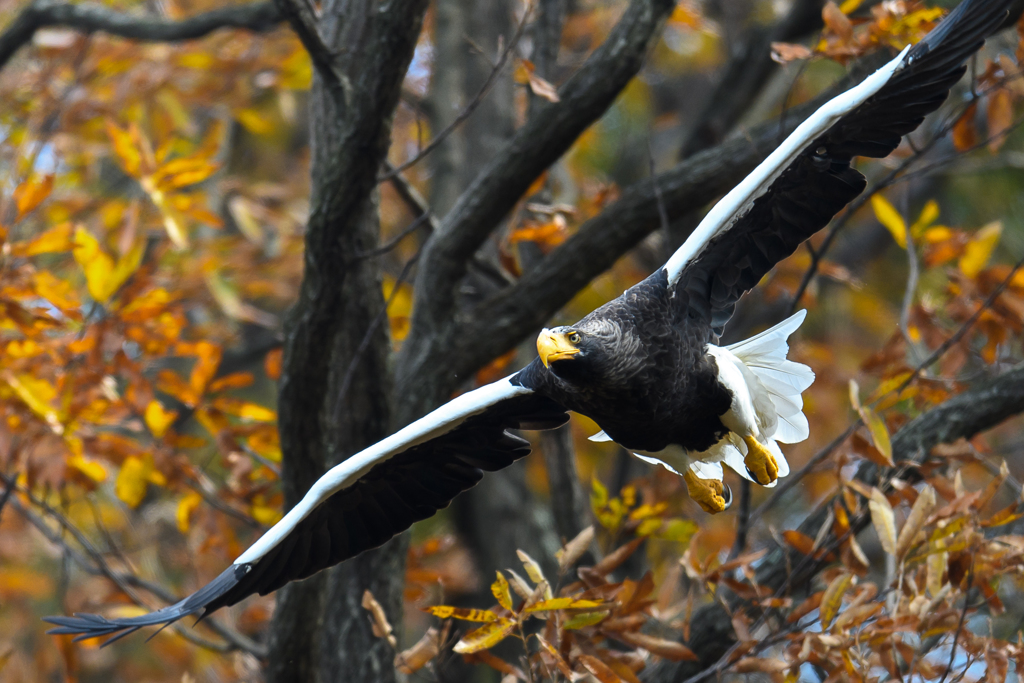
(575, 548)
(601, 671)
(806, 607)
(552, 651)
(668, 649)
(837, 22)
(416, 657)
(784, 53)
(923, 507)
(381, 625)
(884, 521)
(614, 559)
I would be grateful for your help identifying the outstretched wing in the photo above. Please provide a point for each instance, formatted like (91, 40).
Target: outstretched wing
(799, 188)
(365, 500)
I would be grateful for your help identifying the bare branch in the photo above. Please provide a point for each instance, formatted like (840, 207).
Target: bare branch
(541, 141)
(87, 17)
(300, 15)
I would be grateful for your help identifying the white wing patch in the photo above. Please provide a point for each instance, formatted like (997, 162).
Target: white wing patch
(767, 392)
(444, 419)
(733, 205)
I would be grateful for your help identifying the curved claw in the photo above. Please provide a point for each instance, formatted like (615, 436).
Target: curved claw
(727, 495)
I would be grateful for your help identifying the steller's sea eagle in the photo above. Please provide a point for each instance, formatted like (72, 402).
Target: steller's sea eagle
(644, 366)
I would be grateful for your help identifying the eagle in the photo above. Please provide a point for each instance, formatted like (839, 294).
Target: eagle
(646, 367)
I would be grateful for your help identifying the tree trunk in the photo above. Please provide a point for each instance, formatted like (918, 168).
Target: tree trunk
(320, 632)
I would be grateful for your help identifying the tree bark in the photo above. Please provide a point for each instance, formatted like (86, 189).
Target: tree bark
(319, 632)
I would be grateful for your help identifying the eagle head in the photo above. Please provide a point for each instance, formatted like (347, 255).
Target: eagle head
(590, 352)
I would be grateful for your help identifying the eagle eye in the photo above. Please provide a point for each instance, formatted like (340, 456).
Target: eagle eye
(574, 337)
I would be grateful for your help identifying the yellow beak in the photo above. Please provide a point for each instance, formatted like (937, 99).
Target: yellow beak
(552, 346)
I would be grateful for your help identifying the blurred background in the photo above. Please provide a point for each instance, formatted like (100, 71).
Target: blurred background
(154, 198)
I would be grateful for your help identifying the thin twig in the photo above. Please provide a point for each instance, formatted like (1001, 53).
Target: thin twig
(88, 17)
(350, 372)
(960, 625)
(96, 564)
(473, 104)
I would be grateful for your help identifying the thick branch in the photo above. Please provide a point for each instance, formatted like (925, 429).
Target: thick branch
(749, 69)
(961, 417)
(262, 16)
(538, 144)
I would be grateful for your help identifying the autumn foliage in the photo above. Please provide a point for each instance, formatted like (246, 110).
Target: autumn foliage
(152, 217)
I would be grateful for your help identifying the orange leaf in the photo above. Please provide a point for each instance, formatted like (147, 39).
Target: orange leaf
(272, 364)
(965, 135)
(1000, 118)
(31, 194)
(56, 239)
(783, 53)
(804, 544)
(244, 409)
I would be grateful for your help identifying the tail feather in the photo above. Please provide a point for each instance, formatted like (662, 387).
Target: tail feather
(783, 380)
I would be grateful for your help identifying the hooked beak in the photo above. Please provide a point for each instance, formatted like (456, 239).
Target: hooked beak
(552, 346)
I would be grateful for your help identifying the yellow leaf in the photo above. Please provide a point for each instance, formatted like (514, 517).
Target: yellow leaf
(533, 569)
(501, 592)
(833, 599)
(850, 6)
(561, 603)
(255, 122)
(179, 173)
(132, 481)
(158, 419)
(125, 149)
(31, 194)
(884, 520)
(189, 502)
(263, 513)
(929, 214)
(449, 612)
(37, 395)
(888, 216)
(244, 409)
(979, 249)
(56, 239)
(583, 620)
(879, 432)
(90, 468)
(97, 265)
(486, 636)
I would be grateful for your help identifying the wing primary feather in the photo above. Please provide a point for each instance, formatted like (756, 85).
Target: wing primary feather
(363, 502)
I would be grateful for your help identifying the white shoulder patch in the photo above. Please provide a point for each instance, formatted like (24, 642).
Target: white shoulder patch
(444, 419)
(735, 203)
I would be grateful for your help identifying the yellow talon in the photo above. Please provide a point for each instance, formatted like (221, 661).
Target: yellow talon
(760, 462)
(706, 492)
